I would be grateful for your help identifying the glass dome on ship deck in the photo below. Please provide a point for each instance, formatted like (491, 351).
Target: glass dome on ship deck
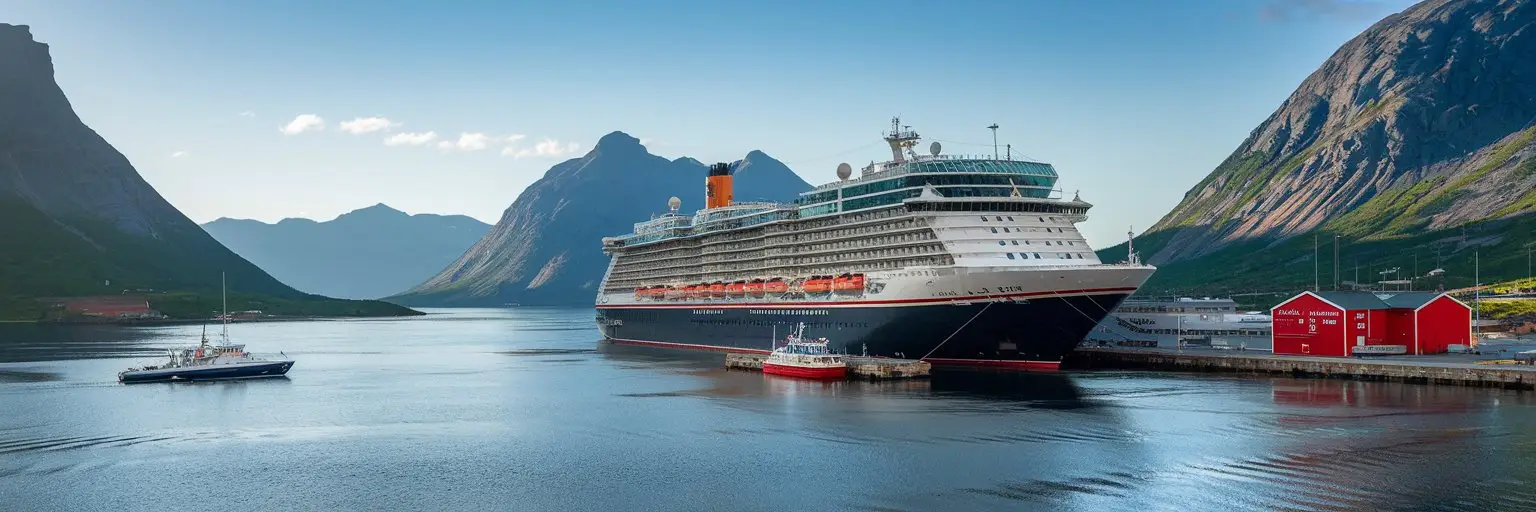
(995, 178)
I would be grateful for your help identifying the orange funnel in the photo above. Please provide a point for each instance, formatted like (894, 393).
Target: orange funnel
(717, 188)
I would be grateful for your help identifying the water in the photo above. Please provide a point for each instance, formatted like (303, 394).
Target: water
(522, 410)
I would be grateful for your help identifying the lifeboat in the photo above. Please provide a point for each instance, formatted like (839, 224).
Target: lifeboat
(717, 289)
(698, 290)
(848, 283)
(674, 293)
(736, 289)
(657, 292)
(775, 285)
(817, 284)
(642, 292)
(754, 287)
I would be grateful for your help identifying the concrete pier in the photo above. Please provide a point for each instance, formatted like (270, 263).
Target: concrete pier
(1420, 369)
(872, 368)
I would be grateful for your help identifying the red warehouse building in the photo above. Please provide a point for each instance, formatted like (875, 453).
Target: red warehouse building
(1429, 322)
(1331, 323)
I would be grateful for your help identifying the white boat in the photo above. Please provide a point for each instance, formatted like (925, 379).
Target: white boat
(205, 361)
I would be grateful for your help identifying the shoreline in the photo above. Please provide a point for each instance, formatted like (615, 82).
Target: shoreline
(1443, 369)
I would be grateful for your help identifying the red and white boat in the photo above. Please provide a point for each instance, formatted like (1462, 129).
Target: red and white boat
(805, 358)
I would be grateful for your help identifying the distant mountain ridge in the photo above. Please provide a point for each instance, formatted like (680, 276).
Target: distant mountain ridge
(363, 254)
(1421, 126)
(76, 219)
(546, 249)
(1423, 121)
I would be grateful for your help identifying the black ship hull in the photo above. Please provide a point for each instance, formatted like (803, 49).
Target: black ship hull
(1036, 333)
(208, 372)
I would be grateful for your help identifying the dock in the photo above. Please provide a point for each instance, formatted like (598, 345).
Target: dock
(1443, 370)
(871, 368)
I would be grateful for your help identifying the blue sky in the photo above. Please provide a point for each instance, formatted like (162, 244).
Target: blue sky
(1133, 101)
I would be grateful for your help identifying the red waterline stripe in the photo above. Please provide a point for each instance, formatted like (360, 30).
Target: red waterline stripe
(706, 305)
(997, 363)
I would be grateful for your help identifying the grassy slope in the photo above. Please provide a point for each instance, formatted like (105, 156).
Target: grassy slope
(42, 258)
(1286, 266)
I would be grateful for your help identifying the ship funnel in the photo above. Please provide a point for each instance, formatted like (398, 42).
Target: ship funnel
(717, 188)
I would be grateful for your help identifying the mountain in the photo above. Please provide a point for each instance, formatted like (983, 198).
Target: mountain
(546, 249)
(79, 220)
(368, 253)
(1419, 127)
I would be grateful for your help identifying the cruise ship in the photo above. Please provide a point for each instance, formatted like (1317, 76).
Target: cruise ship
(949, 259)
(1184, 321)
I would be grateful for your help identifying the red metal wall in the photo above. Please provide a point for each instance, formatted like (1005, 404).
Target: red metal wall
(1400, 328)
(1367, 327)
(1306, 324)
(1442, 322)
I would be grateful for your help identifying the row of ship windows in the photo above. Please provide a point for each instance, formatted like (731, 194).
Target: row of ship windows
(999, 218)
(1062, 255)
(665, 247)
(1026, 242)
(767, 323)
(1030, 230)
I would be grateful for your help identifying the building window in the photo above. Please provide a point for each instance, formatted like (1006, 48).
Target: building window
(983, 219)
(1010, 255)
(1010, 218)
(1000, 242)
(1005, 230)
(994, 230)
(999, 218)
(1015, 242)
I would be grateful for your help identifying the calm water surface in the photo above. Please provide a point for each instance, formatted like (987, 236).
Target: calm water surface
(521, 410)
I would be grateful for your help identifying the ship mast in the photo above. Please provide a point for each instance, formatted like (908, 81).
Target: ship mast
(900, 138)
(224, 295)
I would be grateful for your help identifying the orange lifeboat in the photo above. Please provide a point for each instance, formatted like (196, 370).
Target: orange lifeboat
(817, 284)
(848, 283)
(736, 289)
(697, 290)
(658, 292)
(754, 287)
(775, 285)
(717, 289)
(674, 293)
(642, 292)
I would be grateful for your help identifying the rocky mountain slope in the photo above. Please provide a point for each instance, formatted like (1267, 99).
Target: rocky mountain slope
(1423, 122)
(368, 253)
(79, 220)
(546, 248)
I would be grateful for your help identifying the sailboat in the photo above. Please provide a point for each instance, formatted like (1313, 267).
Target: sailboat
(208, 361)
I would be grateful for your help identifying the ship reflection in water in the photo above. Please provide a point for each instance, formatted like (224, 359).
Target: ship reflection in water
(522, 406)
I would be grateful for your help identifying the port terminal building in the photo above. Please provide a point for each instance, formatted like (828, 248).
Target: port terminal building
(1346, 323)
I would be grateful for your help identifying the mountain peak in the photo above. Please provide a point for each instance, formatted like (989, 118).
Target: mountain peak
(618, 139)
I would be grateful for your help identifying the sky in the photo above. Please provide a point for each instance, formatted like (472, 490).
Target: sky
(285, 108)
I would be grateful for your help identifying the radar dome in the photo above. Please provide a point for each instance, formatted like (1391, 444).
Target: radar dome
(933, 149)
(674, 203)
(844, 171)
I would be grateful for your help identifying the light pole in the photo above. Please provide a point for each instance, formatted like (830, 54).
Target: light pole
(994, 140)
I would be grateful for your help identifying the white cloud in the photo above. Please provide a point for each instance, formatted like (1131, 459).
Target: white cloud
(363, 125)
(303, 123)
(512, 139)
(467, 142)
(178, 154)
(247, 114)
(410, 139)
(545, 148)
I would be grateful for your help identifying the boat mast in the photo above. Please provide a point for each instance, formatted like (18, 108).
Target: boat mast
(224, 295)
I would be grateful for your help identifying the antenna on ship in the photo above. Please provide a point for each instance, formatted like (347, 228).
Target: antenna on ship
(1130, 245)
(224, 295)
(901, 138)
(994, 140)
